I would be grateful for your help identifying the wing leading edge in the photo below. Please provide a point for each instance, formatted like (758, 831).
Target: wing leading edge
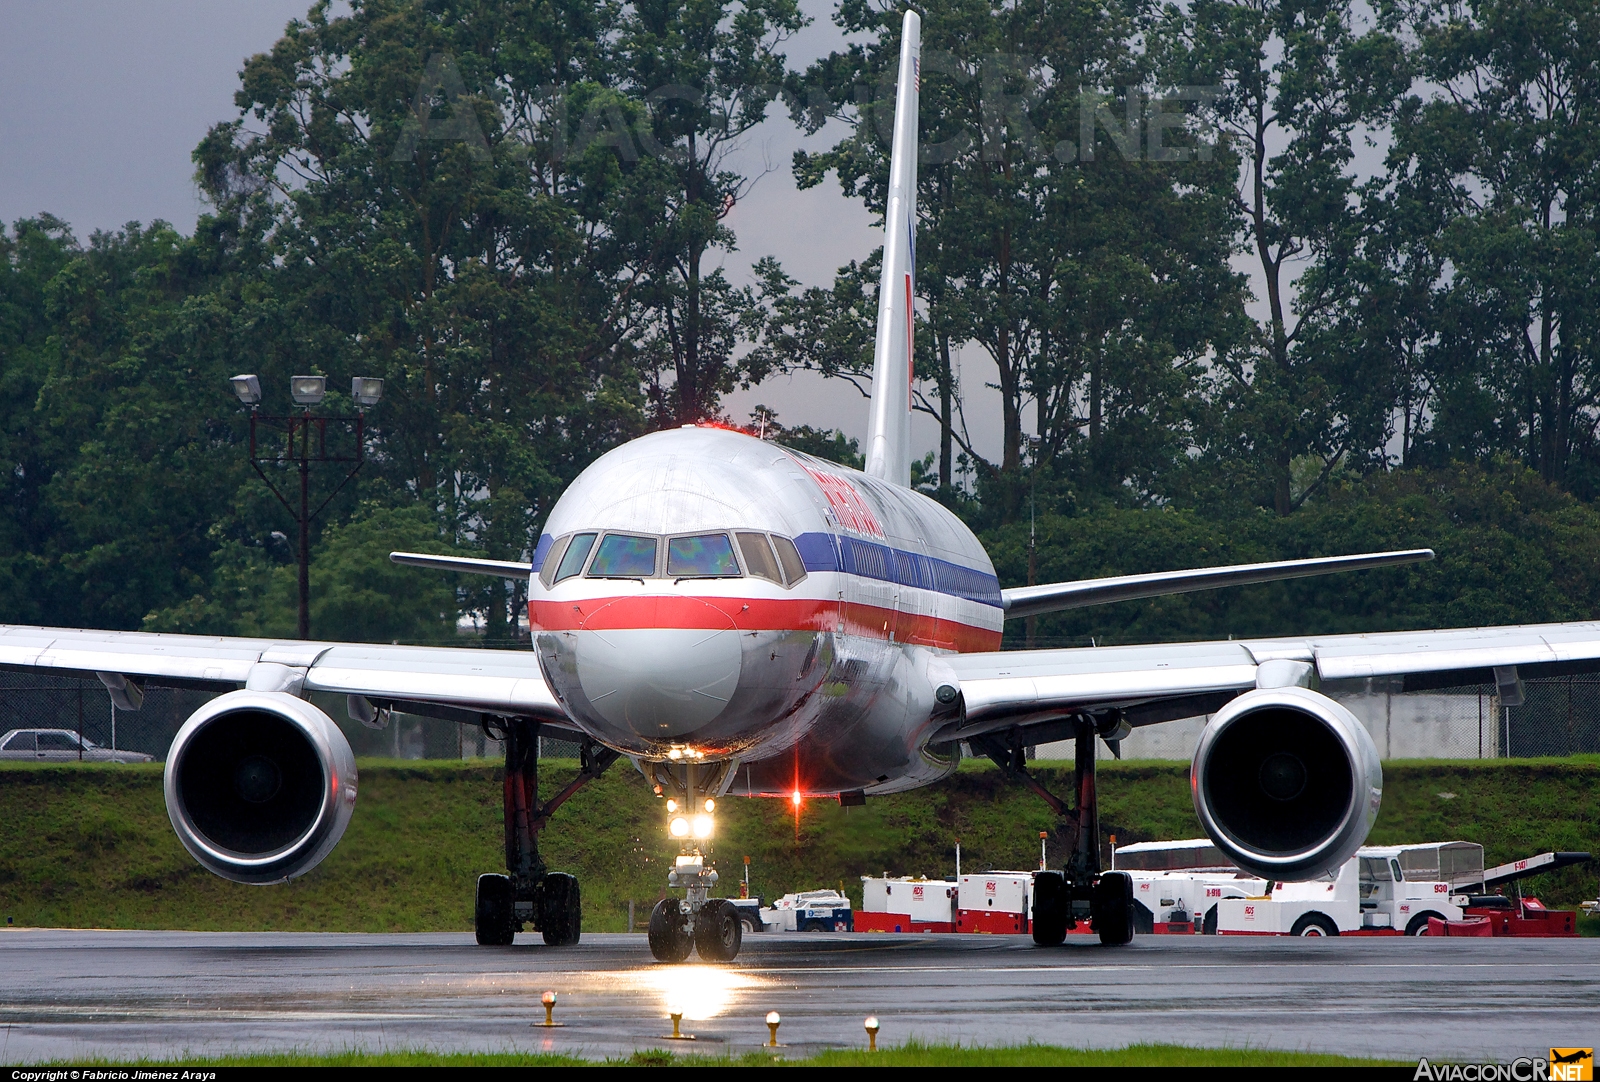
(1167, 681)
(484, 681)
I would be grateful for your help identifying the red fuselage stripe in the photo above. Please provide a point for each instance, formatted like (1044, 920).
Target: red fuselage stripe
(758, 614)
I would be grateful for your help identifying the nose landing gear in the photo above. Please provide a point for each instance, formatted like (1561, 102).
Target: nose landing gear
(697, 922)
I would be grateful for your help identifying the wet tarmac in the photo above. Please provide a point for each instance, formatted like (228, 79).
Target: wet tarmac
(75, 994)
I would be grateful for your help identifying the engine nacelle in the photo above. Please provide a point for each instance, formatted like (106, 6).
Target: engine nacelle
(1286, 782)
(260, 786)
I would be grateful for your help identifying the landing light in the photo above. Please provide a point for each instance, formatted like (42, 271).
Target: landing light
(795, 799)
(702, 826)
(679, 827)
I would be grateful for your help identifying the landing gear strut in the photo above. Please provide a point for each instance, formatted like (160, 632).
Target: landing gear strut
(696, 922)
(1080, 890)
(529, 894)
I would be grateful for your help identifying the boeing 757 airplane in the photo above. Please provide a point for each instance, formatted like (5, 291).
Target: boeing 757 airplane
(737, 618)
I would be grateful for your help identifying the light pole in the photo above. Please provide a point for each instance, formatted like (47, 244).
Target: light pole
(301, 450)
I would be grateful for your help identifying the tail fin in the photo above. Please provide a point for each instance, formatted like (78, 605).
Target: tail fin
(889, 440)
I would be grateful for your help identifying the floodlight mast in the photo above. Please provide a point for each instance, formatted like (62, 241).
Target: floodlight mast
(297, 449)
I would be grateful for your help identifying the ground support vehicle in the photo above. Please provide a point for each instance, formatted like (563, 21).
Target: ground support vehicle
(1373, 894)
(906, 904)
(809, 911)
(1496, 915)
(749, 911)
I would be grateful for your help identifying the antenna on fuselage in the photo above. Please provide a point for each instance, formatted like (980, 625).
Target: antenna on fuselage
(889, 437)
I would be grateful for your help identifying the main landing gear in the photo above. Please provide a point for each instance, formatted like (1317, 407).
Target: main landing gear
(696, 922)
(529, 894)
(1080, 890)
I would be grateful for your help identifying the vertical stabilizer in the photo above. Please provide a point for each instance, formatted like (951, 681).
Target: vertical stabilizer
(889, 437)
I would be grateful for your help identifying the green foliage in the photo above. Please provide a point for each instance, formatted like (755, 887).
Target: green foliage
(1510, 547)
(90, 845)
(357, 593)
(911, 1054)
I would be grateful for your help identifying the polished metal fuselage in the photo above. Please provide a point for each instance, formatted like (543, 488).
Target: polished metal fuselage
(821, 686)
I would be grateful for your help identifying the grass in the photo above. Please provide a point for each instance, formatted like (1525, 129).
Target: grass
(908, 1055)
(89, 845)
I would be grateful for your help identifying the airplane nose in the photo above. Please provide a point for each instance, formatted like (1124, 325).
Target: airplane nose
(663, 684)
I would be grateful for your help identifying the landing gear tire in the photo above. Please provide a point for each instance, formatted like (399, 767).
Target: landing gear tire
(669, 932)
(1209, 925)
(1111, 908)
(494, 920)
(1315, 926)
(718, 932)
(1049, 910)
(1419, 923)
(560, 910)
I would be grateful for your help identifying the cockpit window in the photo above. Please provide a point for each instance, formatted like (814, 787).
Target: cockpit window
(758, 557)
(794, 569)
(577, 552)
(703, 556)
(624, 556)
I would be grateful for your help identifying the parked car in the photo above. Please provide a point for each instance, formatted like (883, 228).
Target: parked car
(60, 746)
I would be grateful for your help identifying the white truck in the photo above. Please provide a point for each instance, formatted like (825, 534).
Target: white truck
(1382, 890)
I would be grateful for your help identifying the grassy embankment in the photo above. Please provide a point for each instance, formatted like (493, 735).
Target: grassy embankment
(908, 1055)
(90, 845)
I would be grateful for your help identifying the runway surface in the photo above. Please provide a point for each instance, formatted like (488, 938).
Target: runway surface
(73, 994)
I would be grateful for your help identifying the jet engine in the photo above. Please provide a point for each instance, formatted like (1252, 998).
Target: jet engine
(260, 786)
(1286, 782)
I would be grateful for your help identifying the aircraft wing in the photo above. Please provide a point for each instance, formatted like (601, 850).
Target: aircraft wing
(1023, 601)
(470, 680)
(1163, 682)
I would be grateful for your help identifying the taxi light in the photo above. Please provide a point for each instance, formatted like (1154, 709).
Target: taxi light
(674, 754)
(672, 805)
(687, 860)
(711, 805)
(795, 798)
(702, 826)
(679, 827)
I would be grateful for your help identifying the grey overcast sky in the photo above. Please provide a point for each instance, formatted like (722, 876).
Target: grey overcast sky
(102, 102)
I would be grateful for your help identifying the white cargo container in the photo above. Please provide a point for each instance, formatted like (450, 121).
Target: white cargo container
(906, 904)
(998, 902)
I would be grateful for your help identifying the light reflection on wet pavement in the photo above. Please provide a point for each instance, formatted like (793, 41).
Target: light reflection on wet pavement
(68, 994)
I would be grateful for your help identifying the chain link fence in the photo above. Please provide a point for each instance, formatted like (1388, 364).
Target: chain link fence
(34, 701)
(1560, 716)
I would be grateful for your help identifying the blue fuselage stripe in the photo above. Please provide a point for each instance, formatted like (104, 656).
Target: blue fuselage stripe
(831, 552)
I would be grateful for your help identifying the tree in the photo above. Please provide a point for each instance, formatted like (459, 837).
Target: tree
(1095, 279)
(704, 72)
(1500, 144)
(1295, 81)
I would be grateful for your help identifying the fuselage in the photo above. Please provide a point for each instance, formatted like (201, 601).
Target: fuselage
(700, 593)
